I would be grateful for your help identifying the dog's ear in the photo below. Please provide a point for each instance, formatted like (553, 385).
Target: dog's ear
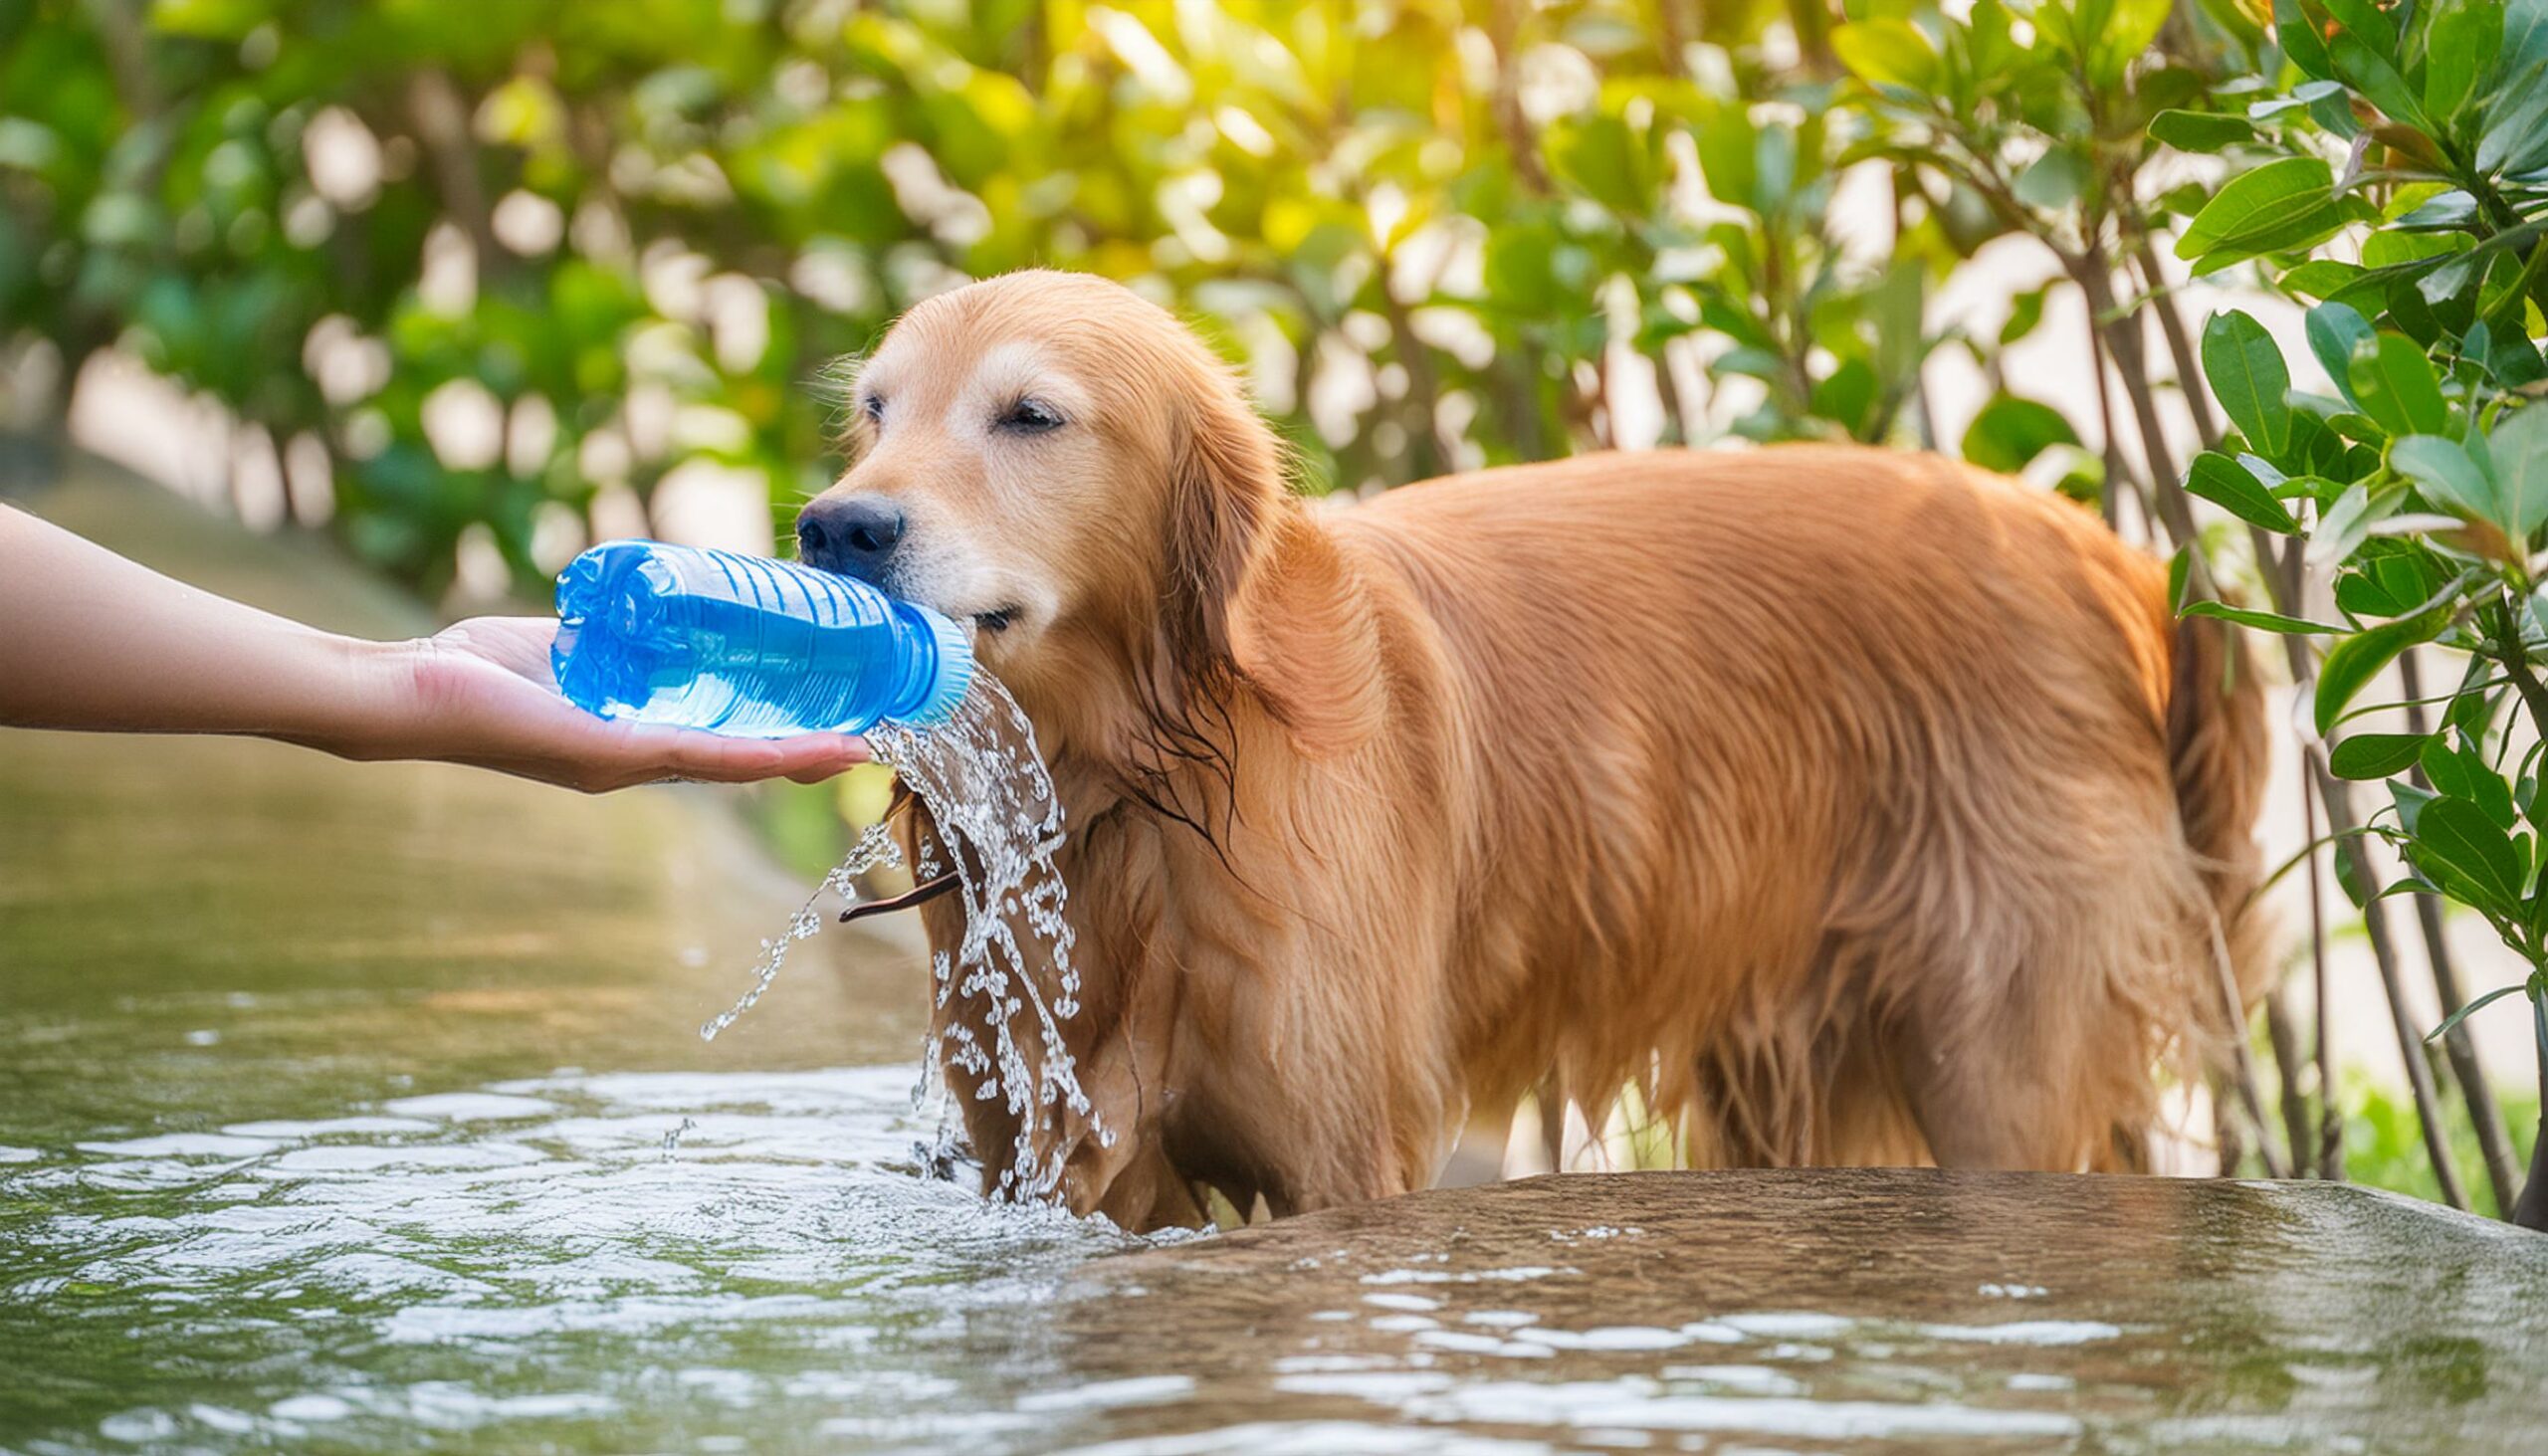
(1225, 479)
(1257, 595)
(1306, 637)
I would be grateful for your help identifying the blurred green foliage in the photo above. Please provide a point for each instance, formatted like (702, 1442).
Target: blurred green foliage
(2384, 1141)
(1440, 234)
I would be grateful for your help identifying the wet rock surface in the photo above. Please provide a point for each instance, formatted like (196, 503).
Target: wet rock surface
(1846, 1308)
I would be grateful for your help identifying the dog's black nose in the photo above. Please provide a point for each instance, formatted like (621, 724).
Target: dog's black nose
(852, 536)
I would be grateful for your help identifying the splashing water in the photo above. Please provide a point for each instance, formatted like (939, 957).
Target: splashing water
(672, 1139)
(998, 825)
(875, 847)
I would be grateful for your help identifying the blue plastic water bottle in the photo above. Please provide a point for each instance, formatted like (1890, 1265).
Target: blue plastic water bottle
(746, 646)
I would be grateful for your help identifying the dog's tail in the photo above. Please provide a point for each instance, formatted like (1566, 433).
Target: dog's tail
(2218, 757)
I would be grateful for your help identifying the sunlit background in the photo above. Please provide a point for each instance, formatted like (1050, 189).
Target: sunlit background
(473, 286)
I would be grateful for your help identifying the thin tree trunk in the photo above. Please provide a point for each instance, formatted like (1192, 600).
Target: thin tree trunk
(440, 114)
(2495, 1140)
(1676, 426)
(1422, 411)
(1672, 21)
(2290, 1059)
(2172, 327)
(2331, 1131)
(2226, 1136)
(2531, 1210)
(2243, 1063)
(1504, 30)
(2337, 795)
(1924, 420)
(1813, 20)
(2125, 343)
(2112, 451)
(2410, 1045)
(127, 33)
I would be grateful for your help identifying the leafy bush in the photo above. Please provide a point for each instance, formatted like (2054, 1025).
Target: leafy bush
(1442, 237)
(2420, 485)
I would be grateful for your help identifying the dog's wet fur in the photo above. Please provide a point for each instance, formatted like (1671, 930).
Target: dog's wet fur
(1854, 806)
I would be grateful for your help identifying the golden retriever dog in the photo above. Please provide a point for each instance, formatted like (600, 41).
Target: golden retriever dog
(1849, 805)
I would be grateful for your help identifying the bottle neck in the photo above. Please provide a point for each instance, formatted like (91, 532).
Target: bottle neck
(941, 672)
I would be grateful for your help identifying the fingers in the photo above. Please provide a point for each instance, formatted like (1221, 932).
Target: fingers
(542, 735)
(827, 755)
(807, 758)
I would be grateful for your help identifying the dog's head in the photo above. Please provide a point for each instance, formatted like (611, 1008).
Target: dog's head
(1060, 462)
(1065, 465)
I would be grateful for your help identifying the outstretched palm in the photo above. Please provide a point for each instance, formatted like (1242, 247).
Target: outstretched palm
(489, 698)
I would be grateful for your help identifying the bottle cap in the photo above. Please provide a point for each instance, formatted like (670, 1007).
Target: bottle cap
(954, 676)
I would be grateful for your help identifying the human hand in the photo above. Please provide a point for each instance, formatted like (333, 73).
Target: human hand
(482, 692)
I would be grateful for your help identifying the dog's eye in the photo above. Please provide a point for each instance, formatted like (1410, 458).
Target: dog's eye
(1031, 417)
(874, 407)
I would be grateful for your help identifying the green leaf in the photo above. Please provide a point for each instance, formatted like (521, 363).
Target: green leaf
(2053, 181)
(2358, 658)
(2452, 775)
(2302, 98)
(2460, 42)
(2362, 595)
(1887, 52)
(2525, 42)
(2249, 378)
(2261, 621)
(2009, 432)
(2478, 1004)
(2226, 484)
(2367, 22)
(2025, 312)
(2376, 755)
(2335, 330)
(2286, 204)
(2450, 210)
(2494, 797)
(2372, 73)
(2487, 866)
(1847, 396)
(2130, 28)
(2515, 138)
(2517, 450)
(2411, 802)
(1727, 143)
(2180, 567)
(2300, 40)
(2200, 130)
(1602, 155)
(2452, 280)
(2471, 712)
(2344, 525)
(2319, 278)
(2394, 383)
(2448, 476)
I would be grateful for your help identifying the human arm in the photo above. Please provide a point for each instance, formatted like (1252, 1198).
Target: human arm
(90, 640)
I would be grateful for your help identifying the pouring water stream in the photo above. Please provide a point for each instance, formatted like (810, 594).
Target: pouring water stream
(999, 823)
